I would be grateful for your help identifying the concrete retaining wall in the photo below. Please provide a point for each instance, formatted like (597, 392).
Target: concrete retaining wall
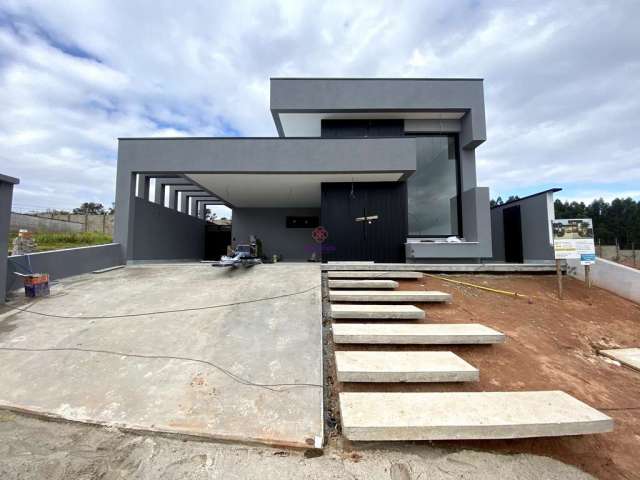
(161, 233)
(269, 224)
(42, 224)
(621, 280)
(90, 223)
(608, 252)
(63, 263)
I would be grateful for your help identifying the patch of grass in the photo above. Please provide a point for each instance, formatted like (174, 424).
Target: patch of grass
(58, 240)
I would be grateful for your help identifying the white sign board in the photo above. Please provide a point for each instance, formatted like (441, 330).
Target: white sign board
(573, 238)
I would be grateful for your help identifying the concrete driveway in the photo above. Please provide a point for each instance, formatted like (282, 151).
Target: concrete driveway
(146, 350)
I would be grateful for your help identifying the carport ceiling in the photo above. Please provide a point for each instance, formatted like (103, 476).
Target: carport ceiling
(260, 190)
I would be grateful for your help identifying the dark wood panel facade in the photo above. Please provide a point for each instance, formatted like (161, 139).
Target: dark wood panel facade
(365, 221)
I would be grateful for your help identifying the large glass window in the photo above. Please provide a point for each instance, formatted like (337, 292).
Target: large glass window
(433, 188)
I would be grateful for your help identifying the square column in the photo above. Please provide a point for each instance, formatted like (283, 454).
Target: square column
(6, 199)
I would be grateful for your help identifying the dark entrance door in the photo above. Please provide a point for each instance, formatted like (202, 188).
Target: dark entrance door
(365, 221)
(512, 224)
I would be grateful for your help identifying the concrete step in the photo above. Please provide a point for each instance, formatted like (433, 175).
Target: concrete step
(627, 356)
(373, 284)
(403, 367)
(467, 415)
(375, 274)
(376, 312)
(387, 297)
(416, 333)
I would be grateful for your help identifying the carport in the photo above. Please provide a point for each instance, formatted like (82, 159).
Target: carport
(273, 186)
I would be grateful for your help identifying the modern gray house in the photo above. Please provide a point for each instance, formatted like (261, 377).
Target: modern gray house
(385, 166)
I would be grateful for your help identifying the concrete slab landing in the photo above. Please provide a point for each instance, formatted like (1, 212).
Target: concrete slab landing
(443, 267)
(146, 351)
(373, 284)
(416, 334)
(627, 356)
(467, 415)
(376, 312)
(354, 366)
(388, 297)
(375, 274)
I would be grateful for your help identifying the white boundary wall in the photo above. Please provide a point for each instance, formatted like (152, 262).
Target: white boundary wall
(619, 279)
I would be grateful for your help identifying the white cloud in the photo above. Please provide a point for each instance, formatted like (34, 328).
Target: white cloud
(560, 80)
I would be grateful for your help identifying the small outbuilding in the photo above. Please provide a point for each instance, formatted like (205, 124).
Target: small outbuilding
(521, 229)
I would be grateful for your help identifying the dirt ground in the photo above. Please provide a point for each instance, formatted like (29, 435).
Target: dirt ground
(551, 345)
(32, 449)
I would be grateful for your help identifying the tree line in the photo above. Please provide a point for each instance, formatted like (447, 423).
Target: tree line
(618, 221)
(86, 208)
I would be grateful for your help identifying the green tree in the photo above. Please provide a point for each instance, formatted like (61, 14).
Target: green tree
(90, 208)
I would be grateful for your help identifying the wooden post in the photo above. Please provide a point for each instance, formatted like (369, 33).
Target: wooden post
(587, 275)
(633, 251)
(559, 276)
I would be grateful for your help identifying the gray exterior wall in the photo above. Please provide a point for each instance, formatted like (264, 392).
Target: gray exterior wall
(269, 224)
(164, 234)
(63, 263)
(6, 199)
(251, 155)
(476, 227)
(301, 95)
(536, 213)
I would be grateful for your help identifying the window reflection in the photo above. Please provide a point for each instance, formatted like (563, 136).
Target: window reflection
(432, 189)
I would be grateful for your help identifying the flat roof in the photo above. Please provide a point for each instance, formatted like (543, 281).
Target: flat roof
(8, 179)
(552, 190)
(298, 105)
(448, 79)
(254, 138)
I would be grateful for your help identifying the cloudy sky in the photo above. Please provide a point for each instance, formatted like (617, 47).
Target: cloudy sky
(561, 81)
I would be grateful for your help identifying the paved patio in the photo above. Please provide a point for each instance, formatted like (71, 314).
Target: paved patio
(180, 367)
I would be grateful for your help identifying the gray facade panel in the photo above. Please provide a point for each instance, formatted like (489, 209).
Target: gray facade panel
(476, 219)
(269, 224)
(325, 94)
(63, 263)
(269, 155)
(164, 234)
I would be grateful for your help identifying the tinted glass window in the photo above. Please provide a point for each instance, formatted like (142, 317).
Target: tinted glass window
(362, 128)
(432, 189)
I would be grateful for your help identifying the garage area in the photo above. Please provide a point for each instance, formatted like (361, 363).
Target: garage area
(231, 354)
